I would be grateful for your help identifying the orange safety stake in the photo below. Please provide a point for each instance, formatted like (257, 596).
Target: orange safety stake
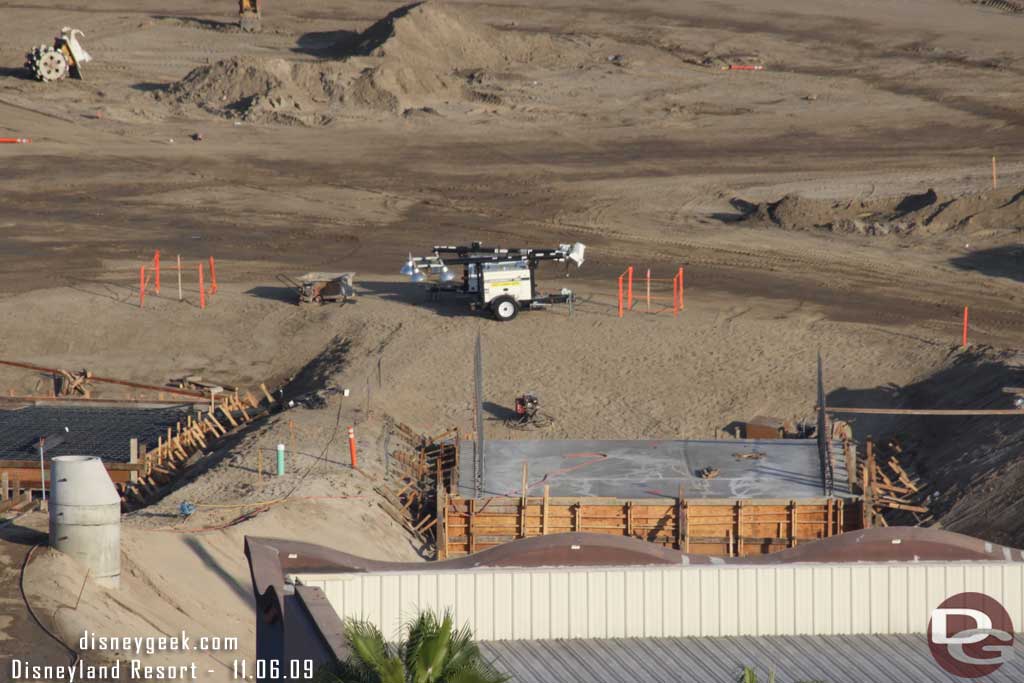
(352, 447)
(213, 277)
(156, 268)
(202, 288)
(745, 67)
(675, 296)
(15, 141)
(680, 287)
(965, 327)
(142, 285)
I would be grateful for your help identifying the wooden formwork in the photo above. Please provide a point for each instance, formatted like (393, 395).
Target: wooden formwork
(722, 527)
(149, 468)
(425, 466)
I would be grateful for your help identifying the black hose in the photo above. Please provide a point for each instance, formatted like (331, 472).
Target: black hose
(32, 612)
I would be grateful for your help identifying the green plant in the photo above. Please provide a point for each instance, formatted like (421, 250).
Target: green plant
(433, 651)
(750, 676)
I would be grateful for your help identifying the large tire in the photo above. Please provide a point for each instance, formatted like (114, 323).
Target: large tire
(504, 308)
(47, 64)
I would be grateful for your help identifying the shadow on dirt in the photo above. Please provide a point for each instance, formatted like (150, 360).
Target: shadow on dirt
(498, 412)
(274, 293)
(210, 561)
(22, 535)
(449, 305)
(743, 208)
(1006, 261)
(20, 73)
(151, 87)
(196, 22)
(326, 43)
(978, 378)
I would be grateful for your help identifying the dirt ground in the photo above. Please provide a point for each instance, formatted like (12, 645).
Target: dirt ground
(840, 200)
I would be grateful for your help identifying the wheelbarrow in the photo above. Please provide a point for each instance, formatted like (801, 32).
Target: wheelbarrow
(320, 288)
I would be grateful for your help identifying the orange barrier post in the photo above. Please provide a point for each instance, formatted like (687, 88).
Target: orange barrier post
(352, 448)
(629, 295)
(680, 287)
(620, 296)
(202, 288)
(156, 270)
(965, 327)
(142, 285)
(675, 296)
(213, 277)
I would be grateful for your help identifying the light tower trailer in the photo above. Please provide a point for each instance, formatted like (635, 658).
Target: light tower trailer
(500, 280)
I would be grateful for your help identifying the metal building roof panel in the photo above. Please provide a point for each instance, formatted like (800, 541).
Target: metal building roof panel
(833, 659)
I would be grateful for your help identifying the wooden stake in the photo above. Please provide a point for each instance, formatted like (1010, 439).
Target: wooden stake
(544, 511)
(263, 387)
(227, 414)
(995, 181)
(179, 278)
(965, 328)
(523, 503)
(648, 290)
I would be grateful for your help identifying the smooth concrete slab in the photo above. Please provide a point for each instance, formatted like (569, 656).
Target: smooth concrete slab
(788, 468)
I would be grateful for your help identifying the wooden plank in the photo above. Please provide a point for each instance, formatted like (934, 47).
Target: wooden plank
(469, 527)
(739, 528)
(219, 427)
(227, 414)
(544, 512)
(915, 411)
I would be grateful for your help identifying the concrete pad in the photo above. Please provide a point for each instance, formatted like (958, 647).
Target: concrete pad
(789, 469)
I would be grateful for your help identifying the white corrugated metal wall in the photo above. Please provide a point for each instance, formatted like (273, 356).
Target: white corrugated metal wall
(653, 602)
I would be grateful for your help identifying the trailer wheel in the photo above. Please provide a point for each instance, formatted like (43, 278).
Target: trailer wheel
(504, 308)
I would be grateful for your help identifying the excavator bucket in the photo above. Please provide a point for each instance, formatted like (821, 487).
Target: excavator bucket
(73, 49)
(249, 15)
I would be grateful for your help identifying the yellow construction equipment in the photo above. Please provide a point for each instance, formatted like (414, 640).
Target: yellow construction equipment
(249, 15)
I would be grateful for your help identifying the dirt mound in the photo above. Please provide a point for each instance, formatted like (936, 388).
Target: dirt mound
(418, 58)
(439, 34)
(267, 90)
(924, 213)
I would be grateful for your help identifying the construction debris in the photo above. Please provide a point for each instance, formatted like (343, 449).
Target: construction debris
(708, 473)
(750, 455)
(71, 383)
(886, 485)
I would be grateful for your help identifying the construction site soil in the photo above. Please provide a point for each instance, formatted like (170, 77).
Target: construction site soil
(342, 137)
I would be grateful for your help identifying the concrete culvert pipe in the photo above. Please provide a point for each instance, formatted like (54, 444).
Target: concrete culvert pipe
(85, 516)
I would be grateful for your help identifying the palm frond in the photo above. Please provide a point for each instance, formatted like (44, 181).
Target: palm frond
(370, 651)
